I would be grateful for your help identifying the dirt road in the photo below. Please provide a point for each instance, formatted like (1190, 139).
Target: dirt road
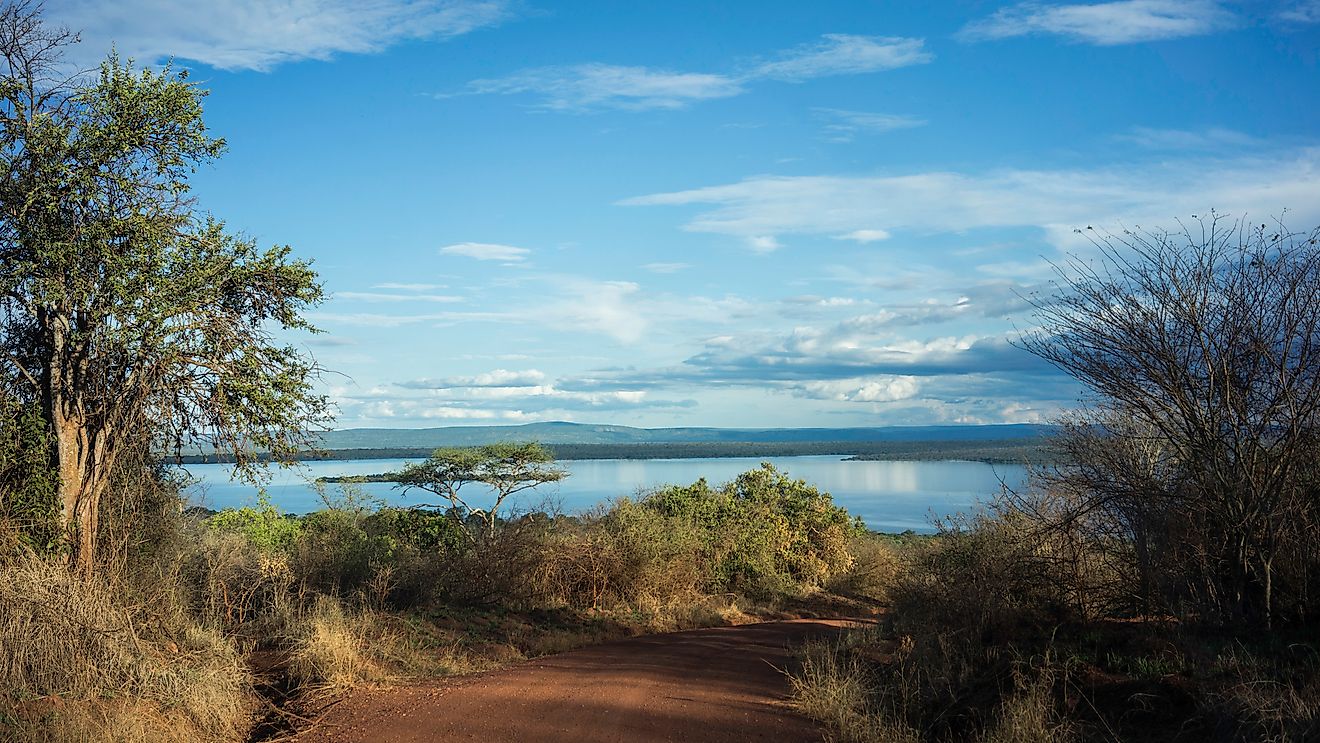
(718, 685)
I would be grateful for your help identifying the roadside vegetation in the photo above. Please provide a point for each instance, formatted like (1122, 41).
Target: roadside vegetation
(218, 627)
(1163, 584)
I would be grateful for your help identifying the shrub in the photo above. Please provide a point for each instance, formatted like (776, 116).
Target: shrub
(627, 554)
(263, 525)
(979, 576)
(763, 533)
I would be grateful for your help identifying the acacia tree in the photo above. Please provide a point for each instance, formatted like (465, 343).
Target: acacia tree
(129, 320)
(1200, 451)
(505, 469)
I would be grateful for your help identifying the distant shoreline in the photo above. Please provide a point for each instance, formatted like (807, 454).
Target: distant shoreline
(994, 451)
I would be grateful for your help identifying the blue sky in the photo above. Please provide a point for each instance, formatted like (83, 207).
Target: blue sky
(732, 214)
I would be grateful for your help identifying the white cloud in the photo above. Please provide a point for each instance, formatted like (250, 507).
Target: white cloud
(845, 125)
(596, 85)
(605, 307)
(409, 287)
(445, 412)
(1213, 138)
(864, 236)
(378, 320)
(262, 34)
(1307, 11)
(1056, 201)
(844, 54)
(493, 378)
(600, 85)
(388, 297)
(883, 388)
(812, 300)
(763, 243)
(666, 267)
(1106, 24)
(487, 251)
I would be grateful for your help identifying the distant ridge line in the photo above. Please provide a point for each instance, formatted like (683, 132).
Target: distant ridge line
(588, 433)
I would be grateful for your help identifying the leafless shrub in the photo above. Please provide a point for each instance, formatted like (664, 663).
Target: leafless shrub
(1201, 349)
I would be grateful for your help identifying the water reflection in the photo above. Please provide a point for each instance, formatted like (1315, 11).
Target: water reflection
(889, 496)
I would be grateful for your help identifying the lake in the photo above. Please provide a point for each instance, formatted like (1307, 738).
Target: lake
(889, 496)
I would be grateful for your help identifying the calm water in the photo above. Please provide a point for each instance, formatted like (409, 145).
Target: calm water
(889, 496)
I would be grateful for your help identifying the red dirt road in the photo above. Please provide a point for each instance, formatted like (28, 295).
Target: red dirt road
(719, 685)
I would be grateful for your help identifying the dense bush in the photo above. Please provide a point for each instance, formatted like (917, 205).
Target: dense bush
(763, 532)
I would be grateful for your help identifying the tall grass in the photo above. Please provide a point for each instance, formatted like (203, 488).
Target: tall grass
(66, 642)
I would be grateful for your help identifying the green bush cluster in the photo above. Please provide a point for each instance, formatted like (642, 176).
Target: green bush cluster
(762, 532)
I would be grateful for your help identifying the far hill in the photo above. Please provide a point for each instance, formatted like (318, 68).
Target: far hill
(585, 433)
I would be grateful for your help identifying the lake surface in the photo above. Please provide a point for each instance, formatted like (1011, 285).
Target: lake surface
(889, 496)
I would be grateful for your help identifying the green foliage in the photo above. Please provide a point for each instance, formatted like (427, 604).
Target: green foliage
(29, 503)
(129, 313)
(263, 525)
(505, 469)
(763, 531)
(428, 532)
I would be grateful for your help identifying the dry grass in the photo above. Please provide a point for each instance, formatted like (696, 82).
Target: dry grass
(329, 648)
(836, 686)
(67, 644)
(1029, 715)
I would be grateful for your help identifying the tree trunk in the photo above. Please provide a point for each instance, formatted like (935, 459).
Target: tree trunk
(80, 489)
(79, 462)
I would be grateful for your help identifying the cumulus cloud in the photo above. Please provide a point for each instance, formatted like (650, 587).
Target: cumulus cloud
(487, 252)
(498, 395)
(886, 388)
(262, 34)
(1105, 24)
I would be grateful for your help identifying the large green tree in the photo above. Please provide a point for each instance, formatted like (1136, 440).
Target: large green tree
(129, 318)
